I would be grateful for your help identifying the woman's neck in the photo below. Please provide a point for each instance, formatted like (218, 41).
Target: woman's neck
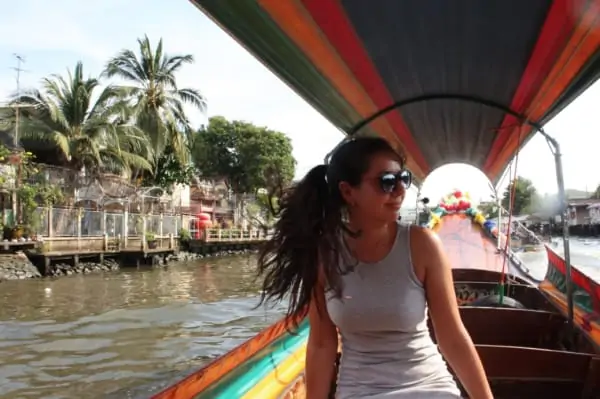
(372, 233)
(372, 244)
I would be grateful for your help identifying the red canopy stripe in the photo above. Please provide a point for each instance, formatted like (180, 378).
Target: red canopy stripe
(295, 22)
(552, 40)
(331, 18)
(584, 42)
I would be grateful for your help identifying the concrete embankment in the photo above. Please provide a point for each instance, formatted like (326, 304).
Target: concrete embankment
(17, 267)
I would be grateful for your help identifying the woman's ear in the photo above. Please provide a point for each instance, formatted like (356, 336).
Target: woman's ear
(346, 192)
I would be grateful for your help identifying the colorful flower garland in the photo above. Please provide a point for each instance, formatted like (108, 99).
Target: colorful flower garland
(457, 202)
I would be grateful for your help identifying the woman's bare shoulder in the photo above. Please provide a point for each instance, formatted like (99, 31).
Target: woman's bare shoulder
(426, 250)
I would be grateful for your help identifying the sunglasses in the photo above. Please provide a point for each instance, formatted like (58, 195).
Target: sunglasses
(389, 181)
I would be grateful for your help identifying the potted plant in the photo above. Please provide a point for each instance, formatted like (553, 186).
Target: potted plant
(151, 241)
(17, 232)
(184, 238)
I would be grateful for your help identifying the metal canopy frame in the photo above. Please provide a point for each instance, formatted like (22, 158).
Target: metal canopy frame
(552, 144)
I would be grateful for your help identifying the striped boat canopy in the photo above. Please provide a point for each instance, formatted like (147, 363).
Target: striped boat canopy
(453, 80)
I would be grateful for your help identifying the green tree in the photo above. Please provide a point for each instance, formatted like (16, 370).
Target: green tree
(83, 132)
(248, 157)
(526, 197)
(262, 211)
(170, 171)
(156, 100)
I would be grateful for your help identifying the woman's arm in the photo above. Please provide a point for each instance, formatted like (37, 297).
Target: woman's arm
(453, 339)
(321, 351)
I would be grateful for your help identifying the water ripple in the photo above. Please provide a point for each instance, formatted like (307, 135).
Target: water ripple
(126, 334)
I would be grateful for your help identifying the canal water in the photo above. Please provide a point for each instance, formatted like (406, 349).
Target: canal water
(127, 334)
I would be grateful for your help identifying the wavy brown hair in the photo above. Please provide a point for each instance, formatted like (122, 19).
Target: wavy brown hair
(308, 231)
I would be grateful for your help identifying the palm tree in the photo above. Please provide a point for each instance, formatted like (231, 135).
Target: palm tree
(156, 100)
(85, 133)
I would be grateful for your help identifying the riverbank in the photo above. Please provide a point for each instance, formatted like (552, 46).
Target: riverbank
(18, 266)
(184, 256)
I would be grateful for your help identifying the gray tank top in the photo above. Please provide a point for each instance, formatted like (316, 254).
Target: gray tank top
(387, 351)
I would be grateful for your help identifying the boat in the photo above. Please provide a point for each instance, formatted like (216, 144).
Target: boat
(442, 81)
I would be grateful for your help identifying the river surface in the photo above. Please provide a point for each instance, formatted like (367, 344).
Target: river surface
(131, 333)
(124, 334)
(585, 255)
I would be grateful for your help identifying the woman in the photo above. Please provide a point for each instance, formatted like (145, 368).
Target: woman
(340, 255)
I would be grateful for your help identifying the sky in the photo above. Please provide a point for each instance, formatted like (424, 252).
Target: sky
(53, 36)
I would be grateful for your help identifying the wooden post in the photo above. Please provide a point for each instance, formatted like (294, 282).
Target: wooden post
(125, 227)
(50, 220)
(103, 222)
(160, 225)
(144, 243)
(79, 215)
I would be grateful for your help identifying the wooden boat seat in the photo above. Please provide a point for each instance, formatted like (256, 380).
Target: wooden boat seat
(529, 296)
(517, 372)
(481, 275)
(512, 327)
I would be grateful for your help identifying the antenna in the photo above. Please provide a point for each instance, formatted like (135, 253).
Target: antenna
(20, 61)
(17, 106)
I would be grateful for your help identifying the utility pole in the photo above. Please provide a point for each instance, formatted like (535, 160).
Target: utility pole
(18, 69)
(17, 106)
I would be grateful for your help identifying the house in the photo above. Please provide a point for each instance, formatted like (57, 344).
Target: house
(594, 213)
(584, 211)
(212, 197)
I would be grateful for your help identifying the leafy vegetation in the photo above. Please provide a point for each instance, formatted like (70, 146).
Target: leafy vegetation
(155, 100)
(251, 159)
(83, 132)
(525, 199)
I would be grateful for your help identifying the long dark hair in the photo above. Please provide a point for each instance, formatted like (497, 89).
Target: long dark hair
(307, 233)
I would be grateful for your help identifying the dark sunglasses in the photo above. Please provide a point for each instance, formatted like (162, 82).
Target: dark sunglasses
(389, 181)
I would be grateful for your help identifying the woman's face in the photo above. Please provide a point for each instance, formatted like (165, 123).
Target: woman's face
(380, 194)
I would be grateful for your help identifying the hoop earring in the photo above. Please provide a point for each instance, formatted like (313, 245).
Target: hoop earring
(345, 215)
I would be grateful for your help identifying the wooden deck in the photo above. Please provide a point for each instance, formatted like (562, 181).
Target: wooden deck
(74, 249)
(14, 246)
(213, 240)
(232, 236)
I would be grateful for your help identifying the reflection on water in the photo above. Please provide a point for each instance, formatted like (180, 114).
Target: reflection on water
(87, 336)
(585, 255)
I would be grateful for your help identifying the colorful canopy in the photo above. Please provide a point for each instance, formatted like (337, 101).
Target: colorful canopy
(464, 75)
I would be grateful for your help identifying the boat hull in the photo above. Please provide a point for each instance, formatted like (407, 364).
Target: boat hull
(586, 295)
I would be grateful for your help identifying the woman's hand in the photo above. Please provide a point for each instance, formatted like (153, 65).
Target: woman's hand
(432, 265)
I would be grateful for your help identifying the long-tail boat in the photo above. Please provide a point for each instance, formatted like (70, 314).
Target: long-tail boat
(443, 81)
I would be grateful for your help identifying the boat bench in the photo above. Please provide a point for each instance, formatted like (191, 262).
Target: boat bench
(540, 372)
(513, 327)
(482, 275)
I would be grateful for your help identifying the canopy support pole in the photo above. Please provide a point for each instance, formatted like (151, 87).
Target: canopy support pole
(499, 228)
(564, 218)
